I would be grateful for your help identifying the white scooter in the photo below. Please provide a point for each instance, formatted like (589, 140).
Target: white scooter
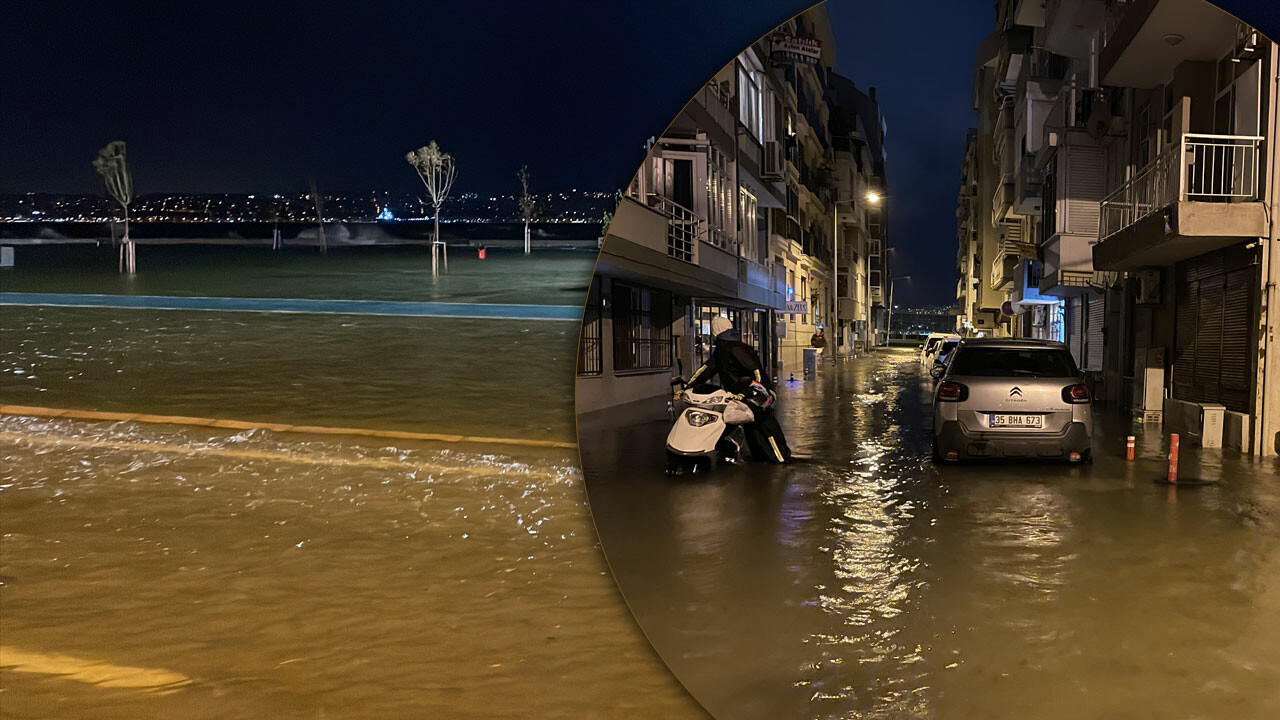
(708, 429)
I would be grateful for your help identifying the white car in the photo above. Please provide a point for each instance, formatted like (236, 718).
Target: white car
(1011, 398)
(932, 344)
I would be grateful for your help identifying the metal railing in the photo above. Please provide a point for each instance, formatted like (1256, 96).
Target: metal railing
(684, 227)
(1199, 167)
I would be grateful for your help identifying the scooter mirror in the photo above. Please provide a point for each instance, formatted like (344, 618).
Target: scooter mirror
(937, 371)
(677, 381)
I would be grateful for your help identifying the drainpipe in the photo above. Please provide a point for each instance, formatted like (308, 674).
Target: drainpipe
(1266, 385)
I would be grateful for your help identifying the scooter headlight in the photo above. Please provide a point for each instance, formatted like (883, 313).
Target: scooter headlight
(698, 418)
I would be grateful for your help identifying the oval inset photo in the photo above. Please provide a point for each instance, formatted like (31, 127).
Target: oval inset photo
(893, 331)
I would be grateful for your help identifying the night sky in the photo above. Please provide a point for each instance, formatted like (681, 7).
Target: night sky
(257, 97)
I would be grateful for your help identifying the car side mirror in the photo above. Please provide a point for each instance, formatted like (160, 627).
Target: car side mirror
(937, 371)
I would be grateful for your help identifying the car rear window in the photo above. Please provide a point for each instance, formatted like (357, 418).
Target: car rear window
(931, 344)
(948, 346)
(1011, 362)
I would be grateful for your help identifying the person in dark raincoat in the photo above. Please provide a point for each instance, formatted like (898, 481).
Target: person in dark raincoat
(741, 373)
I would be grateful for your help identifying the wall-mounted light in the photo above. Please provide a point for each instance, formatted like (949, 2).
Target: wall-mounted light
(1173, 39)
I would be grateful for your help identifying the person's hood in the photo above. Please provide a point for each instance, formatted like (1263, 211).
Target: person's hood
(730, 335)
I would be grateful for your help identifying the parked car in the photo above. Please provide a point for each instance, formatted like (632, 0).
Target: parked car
(943, 355)
(1011, 398)
(932, 343)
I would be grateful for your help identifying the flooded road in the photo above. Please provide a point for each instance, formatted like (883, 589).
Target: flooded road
(152, 571)
(163, 571)
(866, 583)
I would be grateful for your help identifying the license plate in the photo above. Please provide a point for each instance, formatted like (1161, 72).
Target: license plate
(1021, 421)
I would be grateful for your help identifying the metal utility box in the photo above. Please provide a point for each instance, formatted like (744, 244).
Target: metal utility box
(1148, 386)
(1212, 417)
(810, 362)
(6, 256)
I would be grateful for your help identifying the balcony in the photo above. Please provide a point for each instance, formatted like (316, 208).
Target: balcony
(1008, 258)
(716, 99)
(1069, 26)
(685, 228)
(1135, 53)
(1028, 193)
(1199, 195)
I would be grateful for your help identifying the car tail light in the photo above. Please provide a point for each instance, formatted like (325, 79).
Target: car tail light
(952, 392)
(1076, 394)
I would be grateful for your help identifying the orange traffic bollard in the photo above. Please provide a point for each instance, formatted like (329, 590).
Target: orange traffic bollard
(1128, 452)
(1173, 459)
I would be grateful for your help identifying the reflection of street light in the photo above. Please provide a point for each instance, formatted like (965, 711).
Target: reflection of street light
(888, 327)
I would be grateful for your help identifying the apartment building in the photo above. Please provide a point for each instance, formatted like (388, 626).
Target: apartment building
(1141, 169)
(859, 215)
(733, 213)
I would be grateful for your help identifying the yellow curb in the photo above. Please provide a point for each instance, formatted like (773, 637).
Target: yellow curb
(90, 671)
(32, 411)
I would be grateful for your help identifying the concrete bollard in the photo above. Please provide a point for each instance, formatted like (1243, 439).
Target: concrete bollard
(1173, 459)
(1128, 448)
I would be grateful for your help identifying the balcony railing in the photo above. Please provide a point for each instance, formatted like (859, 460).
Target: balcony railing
(684, 227)
(1201, 168)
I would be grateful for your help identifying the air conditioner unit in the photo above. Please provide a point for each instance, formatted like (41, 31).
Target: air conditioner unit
(772, 160)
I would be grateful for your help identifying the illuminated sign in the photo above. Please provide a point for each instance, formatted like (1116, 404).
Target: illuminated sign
(790, 47)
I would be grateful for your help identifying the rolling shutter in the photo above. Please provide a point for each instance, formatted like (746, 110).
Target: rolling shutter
(1075, 330)
(1213, 341)
(1093, 334)
(1082, 193)
(1237, 339)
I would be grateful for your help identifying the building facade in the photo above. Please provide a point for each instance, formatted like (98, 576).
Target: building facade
(1132, 143)
(735, 212)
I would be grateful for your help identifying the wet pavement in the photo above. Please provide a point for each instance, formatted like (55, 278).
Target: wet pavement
(866, 583)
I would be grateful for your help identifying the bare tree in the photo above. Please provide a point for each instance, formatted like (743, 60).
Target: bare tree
(437, 170)
(528, 205)
(110, 164)
(315, 197)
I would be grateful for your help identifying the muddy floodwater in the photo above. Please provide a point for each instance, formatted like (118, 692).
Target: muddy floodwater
(259, 576)
(162, 571)
(865, 582)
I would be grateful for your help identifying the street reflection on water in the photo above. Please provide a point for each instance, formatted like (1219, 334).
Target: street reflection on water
(866, 583)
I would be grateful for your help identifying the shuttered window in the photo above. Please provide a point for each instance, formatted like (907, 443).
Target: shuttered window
(1213, 340)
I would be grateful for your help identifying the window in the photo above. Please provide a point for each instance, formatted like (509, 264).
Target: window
(590, 350)
(1010, 362)
(747, 234)
(641, 328)
(751, 100)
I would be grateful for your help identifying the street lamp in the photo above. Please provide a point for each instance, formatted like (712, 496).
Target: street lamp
(888, 327)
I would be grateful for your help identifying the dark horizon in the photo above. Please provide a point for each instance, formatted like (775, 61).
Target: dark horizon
(264, 98)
